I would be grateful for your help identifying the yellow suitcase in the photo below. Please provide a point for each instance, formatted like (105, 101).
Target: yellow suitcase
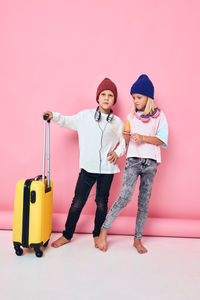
(32, 219)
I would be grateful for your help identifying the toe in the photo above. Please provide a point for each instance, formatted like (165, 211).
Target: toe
(54, 245)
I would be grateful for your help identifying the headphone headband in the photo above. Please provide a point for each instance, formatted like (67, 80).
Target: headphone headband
(146, 118)
(97, 115)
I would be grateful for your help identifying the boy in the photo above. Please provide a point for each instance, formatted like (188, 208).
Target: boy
(99, 132)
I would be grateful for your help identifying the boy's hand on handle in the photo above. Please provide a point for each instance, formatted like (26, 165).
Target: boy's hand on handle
(49, 113)
(112, 157)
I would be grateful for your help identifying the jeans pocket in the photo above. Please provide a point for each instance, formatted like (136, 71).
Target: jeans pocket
(153, 165)
(132, 161)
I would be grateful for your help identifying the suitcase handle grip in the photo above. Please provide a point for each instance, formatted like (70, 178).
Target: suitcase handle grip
(44, 151)
(45, 117)
(39, 177)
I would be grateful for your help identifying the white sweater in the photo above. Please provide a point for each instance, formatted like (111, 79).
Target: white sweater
(96, 139)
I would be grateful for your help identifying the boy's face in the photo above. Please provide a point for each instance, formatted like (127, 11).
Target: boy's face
(140, 101)
(106, 100)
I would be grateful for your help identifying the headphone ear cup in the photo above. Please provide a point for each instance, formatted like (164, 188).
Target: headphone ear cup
(110, 117)
(97, 115)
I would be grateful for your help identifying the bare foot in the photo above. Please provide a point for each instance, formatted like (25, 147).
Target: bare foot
(96, 241)
(138, 245)
(59, 242)
(102, 240)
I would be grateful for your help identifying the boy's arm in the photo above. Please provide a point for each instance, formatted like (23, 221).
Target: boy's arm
(119, 151)
(67, 121)
(121, 148)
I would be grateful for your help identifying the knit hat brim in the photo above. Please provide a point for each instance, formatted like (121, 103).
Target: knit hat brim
(107, 84)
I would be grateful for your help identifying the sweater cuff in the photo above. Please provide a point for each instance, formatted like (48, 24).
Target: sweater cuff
(117, 151)
(55, 116)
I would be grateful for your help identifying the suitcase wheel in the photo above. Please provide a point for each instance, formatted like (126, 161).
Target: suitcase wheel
(19, 251)
(38, 252)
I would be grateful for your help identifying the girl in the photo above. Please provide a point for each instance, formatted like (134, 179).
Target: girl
(148, 130)
(99, 132)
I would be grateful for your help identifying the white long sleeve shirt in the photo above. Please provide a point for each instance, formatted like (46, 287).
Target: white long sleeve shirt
(96, 139)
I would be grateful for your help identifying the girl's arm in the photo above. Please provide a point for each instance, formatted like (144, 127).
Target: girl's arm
(146, 139)
(152, 140)
(126, 135)
(126, 132)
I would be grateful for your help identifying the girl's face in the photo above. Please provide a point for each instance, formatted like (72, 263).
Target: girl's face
(106, 101)
(140, 101)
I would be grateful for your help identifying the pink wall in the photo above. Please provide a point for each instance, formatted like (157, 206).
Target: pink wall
(53, 55)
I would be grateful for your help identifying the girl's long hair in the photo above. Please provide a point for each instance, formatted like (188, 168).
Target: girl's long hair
(149, 108)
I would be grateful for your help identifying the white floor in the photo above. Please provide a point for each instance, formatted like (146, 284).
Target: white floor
(170, 270)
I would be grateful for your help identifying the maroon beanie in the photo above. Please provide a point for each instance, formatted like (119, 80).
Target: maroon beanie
(107, 84)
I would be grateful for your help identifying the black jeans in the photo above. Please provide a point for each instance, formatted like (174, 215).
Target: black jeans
(83, 187)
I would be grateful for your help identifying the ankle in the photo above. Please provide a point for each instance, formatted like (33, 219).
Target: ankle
(103, 232)
(65, 238)
(137, 240)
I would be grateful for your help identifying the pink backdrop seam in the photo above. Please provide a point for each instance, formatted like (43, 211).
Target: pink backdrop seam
(54, 54)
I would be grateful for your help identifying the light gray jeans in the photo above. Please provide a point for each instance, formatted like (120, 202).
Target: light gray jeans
(145, 168)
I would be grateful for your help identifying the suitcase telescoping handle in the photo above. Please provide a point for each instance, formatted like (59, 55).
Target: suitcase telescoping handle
(45, 117)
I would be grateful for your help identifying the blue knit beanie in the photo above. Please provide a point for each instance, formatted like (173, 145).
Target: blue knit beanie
(143, 86)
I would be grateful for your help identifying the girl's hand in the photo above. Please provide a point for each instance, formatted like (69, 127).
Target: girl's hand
(48, 113)
(138, 138)
(112, 157)
(126, 135)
